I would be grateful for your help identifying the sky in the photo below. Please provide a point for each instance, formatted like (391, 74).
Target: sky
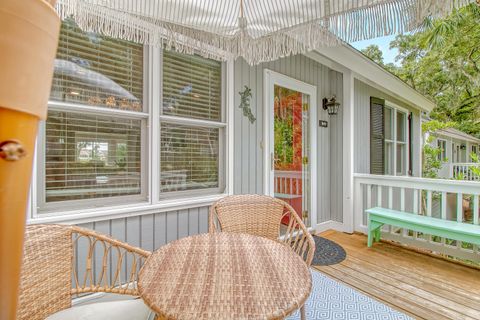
(383, 43)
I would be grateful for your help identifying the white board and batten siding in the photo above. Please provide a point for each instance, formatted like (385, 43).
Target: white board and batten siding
(248, 138)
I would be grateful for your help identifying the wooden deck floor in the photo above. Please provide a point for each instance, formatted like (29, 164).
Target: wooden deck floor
(419, 285)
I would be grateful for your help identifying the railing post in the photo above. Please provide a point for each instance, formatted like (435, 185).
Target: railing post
(348, 150)
(357, 205)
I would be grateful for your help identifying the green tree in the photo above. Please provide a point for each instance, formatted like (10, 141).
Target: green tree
(442, 61)
(431, 161)
(374, 53)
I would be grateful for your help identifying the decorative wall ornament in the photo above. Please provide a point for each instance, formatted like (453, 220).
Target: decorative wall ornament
(245, 97)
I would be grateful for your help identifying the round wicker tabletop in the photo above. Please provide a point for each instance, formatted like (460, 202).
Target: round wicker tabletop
(224, 276)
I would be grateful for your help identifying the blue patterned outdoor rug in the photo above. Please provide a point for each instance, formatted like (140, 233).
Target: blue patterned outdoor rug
(333, 300)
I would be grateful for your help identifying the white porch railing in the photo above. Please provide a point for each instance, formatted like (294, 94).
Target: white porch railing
(444, 199)
(463, 171)
(288, 184)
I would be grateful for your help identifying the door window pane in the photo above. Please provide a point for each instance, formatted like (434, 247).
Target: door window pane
(89, 156)
(291, 148)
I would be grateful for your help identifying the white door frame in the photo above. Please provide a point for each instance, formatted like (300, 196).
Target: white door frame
(272, 78)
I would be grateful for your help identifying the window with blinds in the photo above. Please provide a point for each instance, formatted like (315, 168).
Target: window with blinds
(91, 156)
(191, 86)
(96, 70)
(190, 149)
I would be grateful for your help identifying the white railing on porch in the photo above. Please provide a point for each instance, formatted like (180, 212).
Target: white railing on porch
(288, 184)
(444, 199)
(463, 171)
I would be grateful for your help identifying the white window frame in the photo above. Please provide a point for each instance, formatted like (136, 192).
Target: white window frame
(221, 125)
(41, 208)
(149, 201)
(442, 154)
(394, 142)
(57, 207)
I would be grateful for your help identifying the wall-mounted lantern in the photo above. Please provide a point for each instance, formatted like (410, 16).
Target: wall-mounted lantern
(331, 105)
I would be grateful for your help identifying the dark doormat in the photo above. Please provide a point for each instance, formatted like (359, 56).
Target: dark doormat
(327, 252)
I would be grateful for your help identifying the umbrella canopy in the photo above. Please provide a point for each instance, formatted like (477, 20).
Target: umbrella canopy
(257, 30)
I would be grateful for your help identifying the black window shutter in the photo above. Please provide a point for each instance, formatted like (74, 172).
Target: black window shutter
(377, 136)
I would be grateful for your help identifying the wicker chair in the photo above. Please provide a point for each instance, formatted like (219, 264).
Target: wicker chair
(261, 216)
(50, 266)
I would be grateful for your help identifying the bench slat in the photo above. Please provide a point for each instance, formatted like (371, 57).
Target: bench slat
(430, 222)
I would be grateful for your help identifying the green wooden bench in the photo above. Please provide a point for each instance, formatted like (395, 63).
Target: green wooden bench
(377, 217)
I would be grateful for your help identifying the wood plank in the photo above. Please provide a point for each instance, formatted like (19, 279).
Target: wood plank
(393, 291)
(439, 269)
(419, 289)
(416, 269)
(395, 301)
(444, 290)
(417, 284)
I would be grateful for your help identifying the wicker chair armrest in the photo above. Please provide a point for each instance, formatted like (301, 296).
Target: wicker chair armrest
(298, 237)
(213, 223)
(106, 264)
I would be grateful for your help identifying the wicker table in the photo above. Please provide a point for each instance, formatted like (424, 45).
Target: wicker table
(224, 276)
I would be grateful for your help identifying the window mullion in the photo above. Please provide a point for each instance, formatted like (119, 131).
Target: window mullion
(394, 144)
(155, 103)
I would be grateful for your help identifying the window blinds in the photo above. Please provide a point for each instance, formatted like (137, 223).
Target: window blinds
(96, 70)
(189, 157)
(189, 154)
(191, 86)
(90, 156)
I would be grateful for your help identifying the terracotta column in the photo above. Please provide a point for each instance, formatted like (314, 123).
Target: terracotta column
(28, 43)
